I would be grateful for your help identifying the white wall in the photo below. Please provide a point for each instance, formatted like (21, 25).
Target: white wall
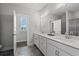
(34, 26)
(6, 30)
(45, 28)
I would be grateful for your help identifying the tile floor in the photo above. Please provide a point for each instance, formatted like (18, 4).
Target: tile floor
(28, 51)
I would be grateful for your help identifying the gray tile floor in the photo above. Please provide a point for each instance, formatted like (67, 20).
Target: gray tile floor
(28, 51)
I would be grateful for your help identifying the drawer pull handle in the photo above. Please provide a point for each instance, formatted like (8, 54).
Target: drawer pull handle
(57, 53)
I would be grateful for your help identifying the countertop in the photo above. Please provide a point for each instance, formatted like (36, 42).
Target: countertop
(73, 41)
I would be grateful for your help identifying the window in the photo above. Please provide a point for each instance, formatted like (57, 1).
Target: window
(23, 23)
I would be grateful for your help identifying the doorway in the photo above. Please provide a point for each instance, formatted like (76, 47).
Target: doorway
(20, 31)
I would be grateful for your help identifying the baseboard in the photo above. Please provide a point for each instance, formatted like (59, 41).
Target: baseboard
(21, 44)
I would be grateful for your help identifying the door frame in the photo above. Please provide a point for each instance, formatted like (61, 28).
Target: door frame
(14, 32)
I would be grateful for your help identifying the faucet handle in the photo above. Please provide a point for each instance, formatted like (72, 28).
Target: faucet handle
(66, 33)
(71, 33)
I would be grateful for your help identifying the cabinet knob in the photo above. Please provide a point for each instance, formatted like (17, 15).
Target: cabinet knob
(57, 52)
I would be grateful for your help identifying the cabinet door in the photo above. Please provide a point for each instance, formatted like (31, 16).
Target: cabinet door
(50, 50)
(43, 45)
(59, 52)
(36, 40)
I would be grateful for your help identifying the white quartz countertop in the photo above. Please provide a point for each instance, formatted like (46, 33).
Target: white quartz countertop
(73, 41)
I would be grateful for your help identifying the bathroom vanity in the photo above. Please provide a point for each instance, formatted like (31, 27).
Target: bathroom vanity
(57, 45)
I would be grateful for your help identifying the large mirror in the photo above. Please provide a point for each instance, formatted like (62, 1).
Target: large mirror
(68, 13)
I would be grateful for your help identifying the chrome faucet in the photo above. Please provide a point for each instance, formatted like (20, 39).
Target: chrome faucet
(67, 36)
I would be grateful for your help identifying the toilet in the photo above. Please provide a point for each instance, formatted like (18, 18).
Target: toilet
(0, 46)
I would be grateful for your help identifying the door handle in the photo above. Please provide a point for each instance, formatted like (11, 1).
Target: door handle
(13, 34)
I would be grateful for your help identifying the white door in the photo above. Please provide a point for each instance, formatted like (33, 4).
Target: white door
(20, 26)
(14, 31)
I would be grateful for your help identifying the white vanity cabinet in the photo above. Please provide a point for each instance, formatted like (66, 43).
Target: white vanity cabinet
(43, 44)
(51, 47)
(36, 40)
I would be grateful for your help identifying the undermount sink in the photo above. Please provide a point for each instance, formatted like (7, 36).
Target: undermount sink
(50, 34)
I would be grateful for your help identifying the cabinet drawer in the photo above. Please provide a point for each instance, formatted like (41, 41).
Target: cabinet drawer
(59, 52)
(36, 42)
(43, 44)
(68, 49)
(54, 51)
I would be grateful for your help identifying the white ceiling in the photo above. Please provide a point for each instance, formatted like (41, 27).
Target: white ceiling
(34, 6)
(55, 8)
